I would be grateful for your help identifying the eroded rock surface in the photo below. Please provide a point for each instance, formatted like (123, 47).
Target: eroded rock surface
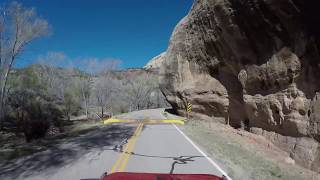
(255, 64)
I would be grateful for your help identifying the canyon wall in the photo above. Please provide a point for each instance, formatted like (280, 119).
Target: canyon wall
(254, 64)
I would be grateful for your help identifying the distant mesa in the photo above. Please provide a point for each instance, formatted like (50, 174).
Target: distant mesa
(155, 63)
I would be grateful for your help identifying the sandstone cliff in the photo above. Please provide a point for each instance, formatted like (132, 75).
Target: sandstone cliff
(253, 63)
(155, 63)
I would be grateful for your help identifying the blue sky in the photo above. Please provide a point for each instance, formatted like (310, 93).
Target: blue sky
(133, 31)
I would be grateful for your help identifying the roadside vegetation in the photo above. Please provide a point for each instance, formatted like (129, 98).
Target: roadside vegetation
(245, 155)
(56, 97)
(15, 146)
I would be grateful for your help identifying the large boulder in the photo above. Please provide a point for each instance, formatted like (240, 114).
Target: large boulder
(254, 63)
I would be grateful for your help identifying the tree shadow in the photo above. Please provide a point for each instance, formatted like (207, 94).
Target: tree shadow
(66, 151)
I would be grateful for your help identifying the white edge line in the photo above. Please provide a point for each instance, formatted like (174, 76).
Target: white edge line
(204, 154)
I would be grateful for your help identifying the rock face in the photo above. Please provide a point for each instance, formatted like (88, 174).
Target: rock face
(253, 63)
(155, 63)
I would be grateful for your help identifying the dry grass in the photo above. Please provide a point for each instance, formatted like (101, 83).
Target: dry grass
(245, 156)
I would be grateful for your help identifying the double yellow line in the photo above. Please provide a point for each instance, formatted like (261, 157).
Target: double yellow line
(122, 161)
(163, 121)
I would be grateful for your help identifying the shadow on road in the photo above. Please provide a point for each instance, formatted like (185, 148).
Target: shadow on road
(69, 150)
(66, 151)
(176, 160)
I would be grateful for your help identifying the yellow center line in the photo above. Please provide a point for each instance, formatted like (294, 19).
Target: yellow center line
(130, 150)
(123, 159)
(115, 166)
(146, 121)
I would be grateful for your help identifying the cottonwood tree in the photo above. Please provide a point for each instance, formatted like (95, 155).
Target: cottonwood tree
(48, 66)
(55, 79)
(32, 110)
(139, 91)
(59, 82)
(104, 88)
(84, 86)
(106, 84)
(19, 26)
(98, 81)
(70, 102)
(66, 93)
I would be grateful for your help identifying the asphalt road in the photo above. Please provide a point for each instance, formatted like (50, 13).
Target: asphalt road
(137, 147)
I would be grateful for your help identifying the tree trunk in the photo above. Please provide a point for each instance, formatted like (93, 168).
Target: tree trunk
(1, 114)
(86, 108)
(4, 78)
(2, 89)
(85, 104)
(3, 85)
(102, 112)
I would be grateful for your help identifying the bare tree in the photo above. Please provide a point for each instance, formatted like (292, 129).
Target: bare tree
(139, 91)
(105, 84)
(84, 84)
(104, 88)
(61, 83)
(19, 26)
(48, 65)
(98, 81)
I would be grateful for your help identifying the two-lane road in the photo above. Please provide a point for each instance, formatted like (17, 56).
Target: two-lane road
(137, 147)
(162, 148)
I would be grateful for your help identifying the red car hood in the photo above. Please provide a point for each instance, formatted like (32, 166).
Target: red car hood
(150, 176)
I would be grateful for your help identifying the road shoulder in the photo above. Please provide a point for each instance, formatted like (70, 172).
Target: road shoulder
(244, 155)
